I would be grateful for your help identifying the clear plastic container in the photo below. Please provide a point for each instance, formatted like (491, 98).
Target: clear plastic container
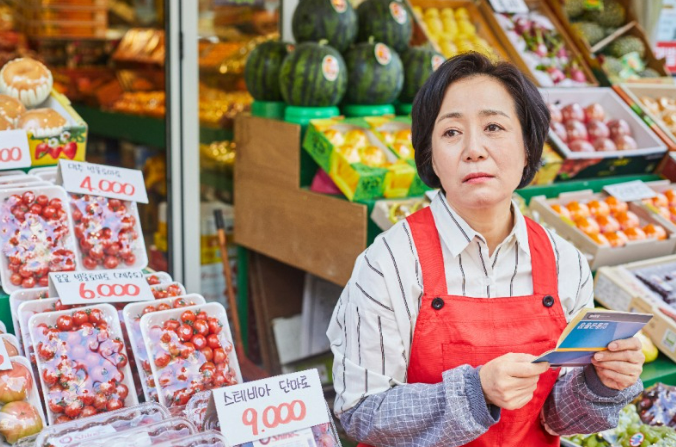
(36, 242)
(132, 319)
(210, 438)
(83, 362)
(108, 232)
(21, 413)
(26, 310)
(157, 278)
(179, 351)
(20, 296)
(174, 289)
(102, 424)
(153, 434)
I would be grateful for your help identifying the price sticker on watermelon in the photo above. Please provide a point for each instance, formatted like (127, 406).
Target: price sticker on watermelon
(14, 150)
(270, 407)
(105, 286)
(100, 180)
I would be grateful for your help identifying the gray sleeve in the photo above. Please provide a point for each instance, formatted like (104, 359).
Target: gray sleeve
(580, 403)
(450, 413)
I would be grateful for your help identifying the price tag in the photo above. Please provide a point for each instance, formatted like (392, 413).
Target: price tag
(105, 286)
(271, 407)
(100, 180)
(510, 6)
(5, 364)
(630, 191)
(14, 150)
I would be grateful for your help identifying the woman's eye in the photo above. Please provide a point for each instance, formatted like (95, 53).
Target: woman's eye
(450, 133)
(493, 128)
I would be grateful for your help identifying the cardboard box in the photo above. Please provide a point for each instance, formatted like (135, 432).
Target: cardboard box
(345, 166)
(601, 255)
(660, 187)
(580, 165)
(661, 328)
(637, 91)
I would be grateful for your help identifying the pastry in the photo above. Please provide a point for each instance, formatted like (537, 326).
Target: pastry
(42, 122)
(11, 108)
(5, 124)
(27, 80)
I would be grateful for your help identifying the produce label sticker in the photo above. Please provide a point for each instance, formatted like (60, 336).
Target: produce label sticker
(339, 5)
(81, 436)
(510, 6)
(271, 407)
(630, 191)
(383, 54)
(301, 438)
(103, 286)
(437, 61)
(100, 180)
(5, 364)
(330, 68)
(14, 150)
(398, 12)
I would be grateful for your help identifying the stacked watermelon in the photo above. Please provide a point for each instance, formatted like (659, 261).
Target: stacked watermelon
(375, 72)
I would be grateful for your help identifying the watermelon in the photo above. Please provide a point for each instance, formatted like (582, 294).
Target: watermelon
(332, 20)
(313, 75)
(387, 21)
(375, 73)
(419, 63)
(261, 73)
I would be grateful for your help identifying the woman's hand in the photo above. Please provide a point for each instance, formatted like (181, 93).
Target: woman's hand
(509, 381)
(620, 366)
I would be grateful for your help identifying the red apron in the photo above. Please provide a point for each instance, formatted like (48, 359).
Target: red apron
(457, 330)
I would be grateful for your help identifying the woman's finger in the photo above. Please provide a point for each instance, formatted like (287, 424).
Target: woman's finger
(630, 356)
(624, 368)
(628, 344)
(623, 381)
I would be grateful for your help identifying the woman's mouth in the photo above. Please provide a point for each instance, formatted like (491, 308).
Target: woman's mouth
(477, 177)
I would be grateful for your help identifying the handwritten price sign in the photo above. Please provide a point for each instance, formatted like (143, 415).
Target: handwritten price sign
(630, 191)
(14, 150)
(99, 180)
(271, 407)
(107, 286)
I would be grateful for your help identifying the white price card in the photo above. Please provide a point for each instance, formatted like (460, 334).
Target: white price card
(270, 407)
(510, 6)
(5, 364)
(100, 180)
(630, 191)
(103, 286)
(14, 150)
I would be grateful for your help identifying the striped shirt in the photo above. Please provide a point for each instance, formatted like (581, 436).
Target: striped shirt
(372, 330)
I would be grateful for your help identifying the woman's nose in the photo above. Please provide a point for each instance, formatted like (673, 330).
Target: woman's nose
(474, 149)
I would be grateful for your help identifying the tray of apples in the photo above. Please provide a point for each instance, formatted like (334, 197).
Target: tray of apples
(21, 414)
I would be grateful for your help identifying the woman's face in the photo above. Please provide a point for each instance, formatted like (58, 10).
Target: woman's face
(477, 147)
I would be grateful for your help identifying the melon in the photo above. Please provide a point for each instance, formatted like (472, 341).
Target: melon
(263, 66)
(419, 64)
(386, 21)
(332, 20)
(375, 73)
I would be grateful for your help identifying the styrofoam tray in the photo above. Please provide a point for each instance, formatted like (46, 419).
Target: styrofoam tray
(164, 277)
(21, 185)
(16, 298)
(11, 173)
(132, 319)
(24, 312)
(163, 286)
(115, 331)
(21, 178)
(646, 141)
(69, 241)
(158, 318)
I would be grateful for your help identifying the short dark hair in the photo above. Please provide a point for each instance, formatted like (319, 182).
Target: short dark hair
(531, 109)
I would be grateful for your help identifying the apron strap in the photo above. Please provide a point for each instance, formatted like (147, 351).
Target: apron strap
(426, 239)
(545, 277)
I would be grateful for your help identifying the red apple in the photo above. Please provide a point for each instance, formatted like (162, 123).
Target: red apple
(597, 129)
(625, 143)
(604, 145)
(594, 111)
(572, 112)
(618, 128)
(18, 420)
(580, 146)
(560, 130)
(15, 383)
(576, 130)
(555, 113)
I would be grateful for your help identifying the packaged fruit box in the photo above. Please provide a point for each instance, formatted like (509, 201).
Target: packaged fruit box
(21, 411)
(177, 341)
(132, 318)
(83, 363)
(599, 135)
(209, 438)
(358, 162)
(36, 237)
(612, 232)
(102, 424)
(386, 213)
(146, 435)
(108, 232)
(659, 103)
(25, 311)
(19, 296)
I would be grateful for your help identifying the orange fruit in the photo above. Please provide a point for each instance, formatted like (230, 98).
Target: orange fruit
(587, 225)
(655, 232)
(627, 219)
(599, 239)
(561, 210)
(608, 224)
(617, 239)
(635, 234)
(598, 208)
(615, 205)
(660, 200)
(578, 209)
(670, 194)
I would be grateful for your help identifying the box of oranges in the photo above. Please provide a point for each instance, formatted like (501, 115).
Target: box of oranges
(609, 230)
(358, 160)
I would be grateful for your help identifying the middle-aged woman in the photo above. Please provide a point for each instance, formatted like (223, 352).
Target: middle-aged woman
(435, 333)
